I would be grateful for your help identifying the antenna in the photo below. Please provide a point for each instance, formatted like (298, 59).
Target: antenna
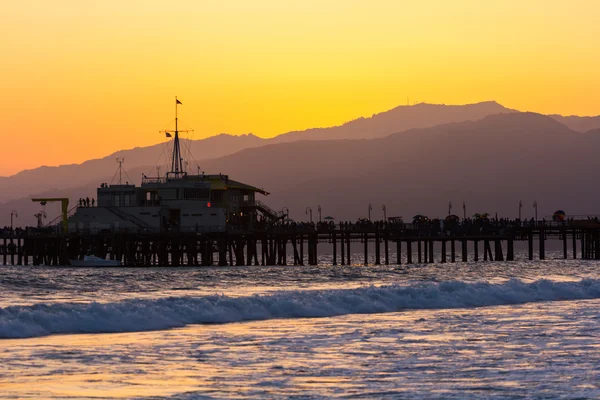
(177, 160)
(158, 171)
(120, 161)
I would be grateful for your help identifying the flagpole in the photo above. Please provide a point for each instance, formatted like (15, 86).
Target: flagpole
(176, 163)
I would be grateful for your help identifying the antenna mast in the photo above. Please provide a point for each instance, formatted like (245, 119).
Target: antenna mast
(177, 169)
(176, 165)
(120, 161)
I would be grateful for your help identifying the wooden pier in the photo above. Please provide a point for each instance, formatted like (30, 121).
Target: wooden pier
(287, 245)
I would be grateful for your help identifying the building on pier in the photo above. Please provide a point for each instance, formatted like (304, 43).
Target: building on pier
(177, 201)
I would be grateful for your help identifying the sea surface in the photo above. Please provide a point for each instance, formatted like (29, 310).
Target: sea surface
(505, 330)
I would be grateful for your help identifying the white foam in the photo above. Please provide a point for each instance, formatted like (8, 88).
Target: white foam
(144, 314)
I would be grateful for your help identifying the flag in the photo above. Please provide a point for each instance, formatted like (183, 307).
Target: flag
(178, 102)
(168, 134)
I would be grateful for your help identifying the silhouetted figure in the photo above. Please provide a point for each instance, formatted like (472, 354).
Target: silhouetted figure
(87, 201)
(93, 201)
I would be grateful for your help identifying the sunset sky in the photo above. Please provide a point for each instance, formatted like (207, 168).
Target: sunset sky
(81, 79)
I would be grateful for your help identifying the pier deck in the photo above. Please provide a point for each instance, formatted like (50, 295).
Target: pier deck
(406, 243)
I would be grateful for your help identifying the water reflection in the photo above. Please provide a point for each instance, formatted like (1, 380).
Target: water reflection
(536, 350)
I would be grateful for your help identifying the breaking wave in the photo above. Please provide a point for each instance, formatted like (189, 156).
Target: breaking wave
(144, 314)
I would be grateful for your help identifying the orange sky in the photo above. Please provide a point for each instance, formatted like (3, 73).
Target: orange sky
(81, 79)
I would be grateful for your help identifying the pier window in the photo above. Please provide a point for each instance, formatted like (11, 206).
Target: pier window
(196, 193)
(216, 196)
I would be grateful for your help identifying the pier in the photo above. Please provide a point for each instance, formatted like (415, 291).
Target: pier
(376, 243)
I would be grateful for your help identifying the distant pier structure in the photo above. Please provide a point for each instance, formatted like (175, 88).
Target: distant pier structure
(281, 244)
(182, 219)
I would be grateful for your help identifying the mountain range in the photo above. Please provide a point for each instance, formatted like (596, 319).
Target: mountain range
(413, 159)
(401, 118)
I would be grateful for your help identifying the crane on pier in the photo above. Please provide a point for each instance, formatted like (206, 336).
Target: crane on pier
(64, 208)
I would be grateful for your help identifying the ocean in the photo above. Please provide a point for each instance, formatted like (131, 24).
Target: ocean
(505, 330)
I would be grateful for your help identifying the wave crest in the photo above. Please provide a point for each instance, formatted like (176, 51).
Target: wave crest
(144, 314)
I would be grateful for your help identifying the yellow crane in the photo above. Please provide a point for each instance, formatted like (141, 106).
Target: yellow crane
(64, 206)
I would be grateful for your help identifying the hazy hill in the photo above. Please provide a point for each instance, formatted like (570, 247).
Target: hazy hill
(491, 164)
(579, 124)
(400, 119)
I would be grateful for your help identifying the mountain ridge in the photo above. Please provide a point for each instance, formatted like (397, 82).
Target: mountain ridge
(398, 119)
(491, 163)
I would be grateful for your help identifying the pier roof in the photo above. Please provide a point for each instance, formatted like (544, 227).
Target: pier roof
(216, 183)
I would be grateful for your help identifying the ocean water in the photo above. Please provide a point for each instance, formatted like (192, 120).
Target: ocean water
(444, 331)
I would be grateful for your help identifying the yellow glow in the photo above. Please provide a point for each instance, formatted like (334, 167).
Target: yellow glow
(83, 79)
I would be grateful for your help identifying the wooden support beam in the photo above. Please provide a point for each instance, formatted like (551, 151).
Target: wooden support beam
(295, 247)
(334, 241)
(348, 249)
(409, 252)
(230, 248)
(12, 251)
(498, 250)
(222, 244)
(342, 249)
(443, 251)
(377, 248)
(486, 245)
(366, 240)
(431, 251)
(19, 253)
(25, 253)
(239, 254)
(313, 251)
(301, 249)
(510, 249)
(386, 249)
(542, 244)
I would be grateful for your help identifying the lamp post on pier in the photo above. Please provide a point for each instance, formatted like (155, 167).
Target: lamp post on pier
(307, 211)
(449, 208)
(370, 208)
(464, 211)
(384, 209)
(12, 213)
(535, 206)
(319, 210)
(520, 207)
